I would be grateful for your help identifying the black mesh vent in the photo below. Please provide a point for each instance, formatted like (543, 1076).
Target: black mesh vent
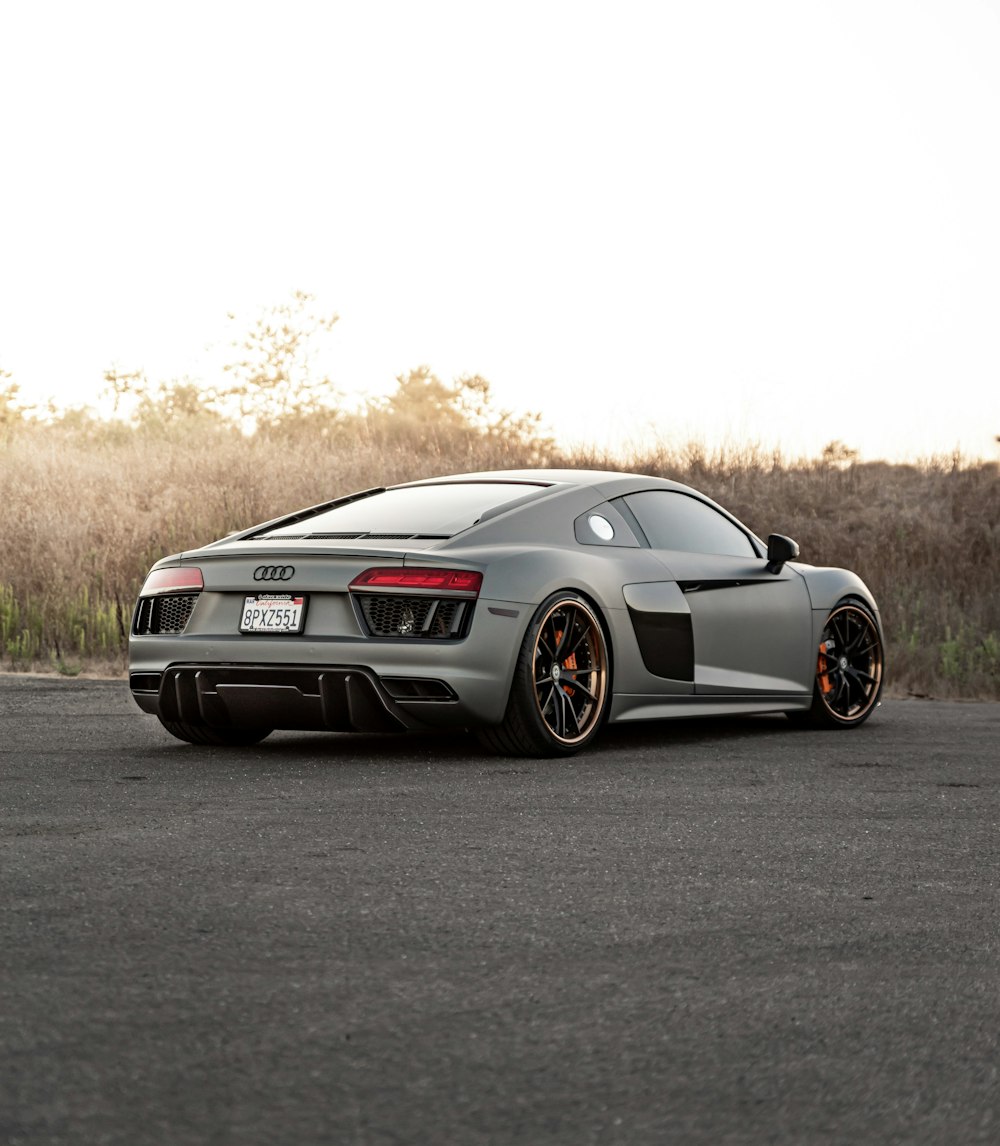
(438, 618)
(159, 616)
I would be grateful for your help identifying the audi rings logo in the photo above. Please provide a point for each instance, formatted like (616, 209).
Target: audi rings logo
(274, 573)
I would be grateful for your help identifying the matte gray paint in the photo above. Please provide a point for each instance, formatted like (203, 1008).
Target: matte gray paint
(752, 633)
(754, 640)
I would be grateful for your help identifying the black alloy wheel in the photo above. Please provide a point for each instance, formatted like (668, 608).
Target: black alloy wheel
(849, 669)
(559, 695)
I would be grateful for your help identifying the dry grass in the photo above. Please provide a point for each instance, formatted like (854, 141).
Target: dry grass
(85, 511)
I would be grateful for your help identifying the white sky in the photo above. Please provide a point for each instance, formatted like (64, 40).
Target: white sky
(774, 221)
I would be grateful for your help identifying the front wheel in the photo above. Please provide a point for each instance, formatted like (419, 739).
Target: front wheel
(559, 695)
(220, 737)
(849, 668)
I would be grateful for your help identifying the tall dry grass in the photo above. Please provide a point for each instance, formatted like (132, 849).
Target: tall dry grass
(84, 512)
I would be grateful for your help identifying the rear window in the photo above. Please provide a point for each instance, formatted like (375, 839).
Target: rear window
(412, 511)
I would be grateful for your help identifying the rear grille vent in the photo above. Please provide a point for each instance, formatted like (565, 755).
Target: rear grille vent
(433, 618)
(162, 616)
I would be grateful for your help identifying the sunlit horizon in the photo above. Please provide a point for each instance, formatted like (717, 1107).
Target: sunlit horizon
(768, 224)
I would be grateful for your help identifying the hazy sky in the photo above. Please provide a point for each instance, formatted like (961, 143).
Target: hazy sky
(742, 219)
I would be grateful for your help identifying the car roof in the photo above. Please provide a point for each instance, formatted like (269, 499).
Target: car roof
(608, 481)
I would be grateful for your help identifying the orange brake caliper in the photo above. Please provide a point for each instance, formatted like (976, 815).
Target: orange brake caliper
(824, 679)
(568, 663)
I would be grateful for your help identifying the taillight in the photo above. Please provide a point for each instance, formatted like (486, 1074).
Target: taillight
(464, 581)
(183, 579)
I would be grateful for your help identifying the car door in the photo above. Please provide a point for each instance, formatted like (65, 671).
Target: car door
(751, 627)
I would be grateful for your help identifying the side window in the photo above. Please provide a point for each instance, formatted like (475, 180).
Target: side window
(676, 521)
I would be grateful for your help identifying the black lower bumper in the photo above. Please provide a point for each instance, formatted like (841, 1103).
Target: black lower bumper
(345, 698)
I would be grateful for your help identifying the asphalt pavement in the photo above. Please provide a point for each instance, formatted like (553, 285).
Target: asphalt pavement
(700, 932)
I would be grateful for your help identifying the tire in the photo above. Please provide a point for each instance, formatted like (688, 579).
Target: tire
(562, 683)
(849, 669)
(220, 737)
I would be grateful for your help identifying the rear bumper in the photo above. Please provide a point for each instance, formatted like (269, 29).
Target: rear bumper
(452, 683)
(342, 698)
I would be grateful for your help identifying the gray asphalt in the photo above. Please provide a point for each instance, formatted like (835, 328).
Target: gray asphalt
(705, 932)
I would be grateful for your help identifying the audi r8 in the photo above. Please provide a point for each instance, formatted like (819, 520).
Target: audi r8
(531, 606)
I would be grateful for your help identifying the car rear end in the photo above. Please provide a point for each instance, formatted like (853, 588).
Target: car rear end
(317, 636)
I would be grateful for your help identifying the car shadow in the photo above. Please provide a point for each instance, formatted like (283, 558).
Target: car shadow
(462, 748)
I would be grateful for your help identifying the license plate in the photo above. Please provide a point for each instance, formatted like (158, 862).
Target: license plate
(273, 613)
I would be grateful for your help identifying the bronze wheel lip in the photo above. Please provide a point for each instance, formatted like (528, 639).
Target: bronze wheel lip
(841, 664)
(556, 676)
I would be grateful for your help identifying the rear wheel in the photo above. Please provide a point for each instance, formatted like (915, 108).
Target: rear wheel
(849, 669)
(204, 734)
(559, 695)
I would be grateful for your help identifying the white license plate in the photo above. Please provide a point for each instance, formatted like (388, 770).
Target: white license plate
(273, 613)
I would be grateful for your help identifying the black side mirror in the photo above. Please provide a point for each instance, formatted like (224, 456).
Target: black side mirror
(779, 550)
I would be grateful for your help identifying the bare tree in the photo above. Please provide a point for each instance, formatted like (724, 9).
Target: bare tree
(274, 375)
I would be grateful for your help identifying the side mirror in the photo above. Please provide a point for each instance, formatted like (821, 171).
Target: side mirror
(779, 550)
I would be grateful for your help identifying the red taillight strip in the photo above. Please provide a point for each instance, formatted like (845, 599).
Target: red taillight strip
(173, 580)
(463, 581)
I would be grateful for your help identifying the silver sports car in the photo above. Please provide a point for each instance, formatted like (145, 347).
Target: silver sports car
(532, 606)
